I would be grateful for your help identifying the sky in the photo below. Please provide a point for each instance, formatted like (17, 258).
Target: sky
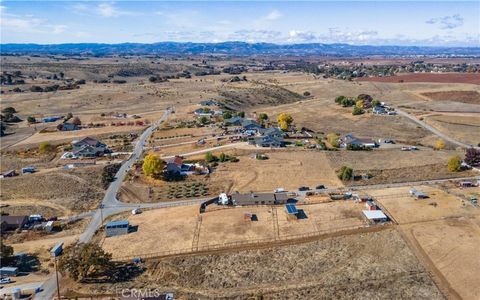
(426, 23)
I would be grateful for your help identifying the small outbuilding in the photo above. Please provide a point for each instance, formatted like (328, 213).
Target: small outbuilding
(370, 205)
(8, 271)
(375, 216)
(116, 228)
(57, 249)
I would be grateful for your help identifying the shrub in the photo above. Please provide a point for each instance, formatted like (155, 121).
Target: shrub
(439, 144)
(345, 173)
(31, 120)
(9, 110)
(45, 147)
(357, 111)
(108, 174)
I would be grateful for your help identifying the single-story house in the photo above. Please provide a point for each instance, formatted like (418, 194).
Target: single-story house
(248, 124)
(88, 147)
(379, 110)
(176, 165)
(208, 103)
(235, 121)
(259, 198)
(8, 223)
(351, 140)
(116, 228)
(203, 112)
(268, 141)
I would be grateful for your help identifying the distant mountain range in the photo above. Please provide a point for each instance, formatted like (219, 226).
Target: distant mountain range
(234, 49)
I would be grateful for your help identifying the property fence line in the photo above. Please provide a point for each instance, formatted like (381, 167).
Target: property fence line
(226, 246)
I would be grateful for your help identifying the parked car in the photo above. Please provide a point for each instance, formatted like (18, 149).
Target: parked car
(5, 280)
(389, 141)
(320, 187)
(136, 211)
(303, 188)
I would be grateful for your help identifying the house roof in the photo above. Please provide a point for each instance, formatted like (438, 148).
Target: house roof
(374, 214)
(88, 141)
(14, 220)
(253, 197)
(176, 160)
(248, 122)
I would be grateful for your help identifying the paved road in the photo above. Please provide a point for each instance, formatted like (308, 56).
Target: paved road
(433, 130)
(110, 203)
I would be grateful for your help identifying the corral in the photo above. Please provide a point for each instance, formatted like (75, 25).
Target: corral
(186, 230)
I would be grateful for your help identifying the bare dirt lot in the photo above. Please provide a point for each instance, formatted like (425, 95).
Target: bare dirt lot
(289, 169)
(74, 191)
(428, 77)
(377, 265)
(452, 246)
(407, 209)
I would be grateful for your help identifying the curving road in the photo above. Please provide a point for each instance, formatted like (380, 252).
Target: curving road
(433, 130)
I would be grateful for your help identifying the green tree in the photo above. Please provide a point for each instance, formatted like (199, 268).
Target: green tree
(375, 103)
(241, 114)
(339, 99)
(454, 163)
(31, 119)
(223, 157)
(203, 120)
(9, 109)
(45, 147)
(227, 115)
(209, 157)
(345, 173)
(6, 251)
(86, 261)
(357, 111)
(153, 166)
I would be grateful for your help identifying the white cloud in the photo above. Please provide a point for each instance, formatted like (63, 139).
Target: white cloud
(295, 36)
(447, 22)
(273, 15)
(28, 24)
(106, 10)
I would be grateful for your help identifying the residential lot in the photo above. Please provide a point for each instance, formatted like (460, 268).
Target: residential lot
(289, 169)
(225, 226)
(407, 209)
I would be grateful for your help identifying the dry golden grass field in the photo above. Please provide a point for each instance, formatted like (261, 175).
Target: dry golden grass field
(220, 226)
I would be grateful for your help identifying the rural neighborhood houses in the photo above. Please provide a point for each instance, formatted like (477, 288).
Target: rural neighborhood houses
(176, 165)
(349, 140)
(86, 148)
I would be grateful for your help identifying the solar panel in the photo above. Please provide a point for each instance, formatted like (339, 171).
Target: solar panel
(291, 209)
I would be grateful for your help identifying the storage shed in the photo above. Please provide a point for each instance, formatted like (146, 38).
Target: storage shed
(8, 271)
(375, 216)
(57, 250)
(116, 228)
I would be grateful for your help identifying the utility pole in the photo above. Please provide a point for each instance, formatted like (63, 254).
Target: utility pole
(56, 275)
(101, 213)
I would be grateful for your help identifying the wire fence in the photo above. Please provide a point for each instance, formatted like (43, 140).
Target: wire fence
(236, 244)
